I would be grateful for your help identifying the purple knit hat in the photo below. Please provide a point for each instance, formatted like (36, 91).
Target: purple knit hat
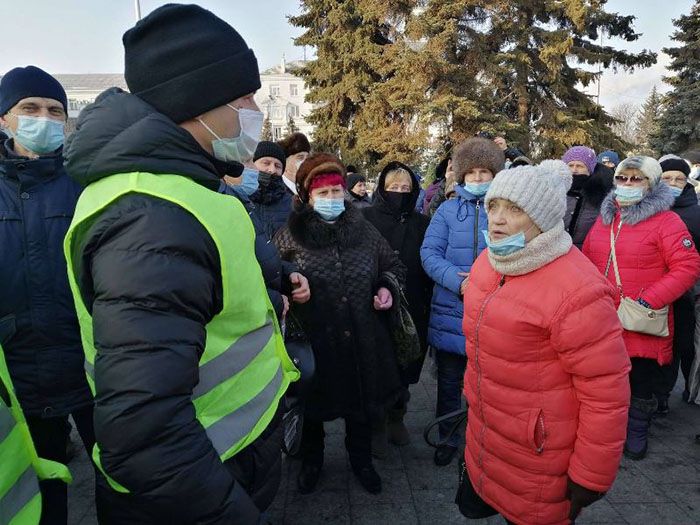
(582, 154)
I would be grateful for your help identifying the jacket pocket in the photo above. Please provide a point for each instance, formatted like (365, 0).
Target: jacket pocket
(536, 431)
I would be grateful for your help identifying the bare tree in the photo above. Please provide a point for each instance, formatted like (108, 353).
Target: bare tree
(626, 126)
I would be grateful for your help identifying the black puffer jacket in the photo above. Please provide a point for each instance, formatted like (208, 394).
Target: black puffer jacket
(687, 208)
(404, 229)
(273, 204)
(150, 274)
(583, 202)
(357, 374)
(44, 352)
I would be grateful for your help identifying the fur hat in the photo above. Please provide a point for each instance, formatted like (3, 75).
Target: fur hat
(295, 143)
(477, 152)
(539, 190)
(314, 165)
(648, 166)
(581, 154)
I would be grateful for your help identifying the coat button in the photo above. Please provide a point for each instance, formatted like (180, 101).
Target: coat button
(338, 265)
(347, 333)
(24, 195)
(396, 252)
(344, 299)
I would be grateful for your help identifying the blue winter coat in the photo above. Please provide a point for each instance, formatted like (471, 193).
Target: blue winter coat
(44, 352)
(452, 243)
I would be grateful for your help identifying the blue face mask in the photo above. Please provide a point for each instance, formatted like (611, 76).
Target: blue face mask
(506, 246)
(478, 189)
(676, 191)
(629, 195)
(249, 181)
(329, 209)
(39, 135)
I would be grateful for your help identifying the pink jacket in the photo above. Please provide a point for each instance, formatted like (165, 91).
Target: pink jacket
(546, 384)
(657, 259)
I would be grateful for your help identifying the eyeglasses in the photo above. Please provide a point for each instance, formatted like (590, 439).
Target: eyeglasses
(676, 180)
(635, 179)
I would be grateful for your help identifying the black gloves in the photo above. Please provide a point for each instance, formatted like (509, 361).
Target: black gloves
(580, 497)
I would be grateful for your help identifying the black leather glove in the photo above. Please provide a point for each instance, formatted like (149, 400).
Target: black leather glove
(580, 497)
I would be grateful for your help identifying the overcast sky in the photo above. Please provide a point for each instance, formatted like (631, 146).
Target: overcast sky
(84, 36)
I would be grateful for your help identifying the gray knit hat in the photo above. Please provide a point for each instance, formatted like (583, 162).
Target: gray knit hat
(648, 166)
(539, 190)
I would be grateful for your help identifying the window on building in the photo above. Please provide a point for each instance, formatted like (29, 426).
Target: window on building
(293, 90)
(292, 111)
(274, 90)
(277, 113)
(276, 132)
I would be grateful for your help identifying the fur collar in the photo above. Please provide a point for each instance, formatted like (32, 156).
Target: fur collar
(657, 200)
(312, 232)
(539, 252)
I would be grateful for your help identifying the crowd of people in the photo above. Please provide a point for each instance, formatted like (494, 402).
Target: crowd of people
(156, 261)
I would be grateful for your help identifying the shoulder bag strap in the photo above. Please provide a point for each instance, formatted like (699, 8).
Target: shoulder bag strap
(613, 257)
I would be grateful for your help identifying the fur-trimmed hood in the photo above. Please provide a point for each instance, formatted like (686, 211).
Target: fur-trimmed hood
(657, 200)
(312, 232)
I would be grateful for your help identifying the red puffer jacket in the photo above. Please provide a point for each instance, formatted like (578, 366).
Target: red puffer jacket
(656, 256)
(547, 386)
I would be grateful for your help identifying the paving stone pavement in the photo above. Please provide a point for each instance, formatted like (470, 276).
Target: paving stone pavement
(662, 489)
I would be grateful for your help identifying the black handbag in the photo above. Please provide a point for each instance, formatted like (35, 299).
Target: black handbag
(302, 355)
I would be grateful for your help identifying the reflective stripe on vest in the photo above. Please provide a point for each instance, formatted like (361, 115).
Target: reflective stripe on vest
(22, 503)
(244, 369)
(20, 467)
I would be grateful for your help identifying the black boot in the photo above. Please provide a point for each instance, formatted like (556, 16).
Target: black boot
(368, 478)
(662, 409)
(308, 477)
(641, 411)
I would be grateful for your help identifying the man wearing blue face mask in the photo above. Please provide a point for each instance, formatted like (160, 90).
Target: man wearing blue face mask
(183, 349)
(37, 200)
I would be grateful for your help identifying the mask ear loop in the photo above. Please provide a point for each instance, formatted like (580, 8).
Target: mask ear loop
(208, 128)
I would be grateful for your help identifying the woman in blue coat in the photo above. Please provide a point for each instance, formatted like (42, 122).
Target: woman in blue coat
(452, 243)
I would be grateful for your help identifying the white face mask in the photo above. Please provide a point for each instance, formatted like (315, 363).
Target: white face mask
(695, 173)
(241, 148)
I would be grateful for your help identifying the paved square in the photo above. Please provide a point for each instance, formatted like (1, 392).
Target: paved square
(664, 488)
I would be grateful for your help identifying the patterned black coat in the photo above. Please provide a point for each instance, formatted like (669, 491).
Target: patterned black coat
(357, 374)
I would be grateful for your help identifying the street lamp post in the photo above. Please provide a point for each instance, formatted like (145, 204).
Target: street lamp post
(137, 9)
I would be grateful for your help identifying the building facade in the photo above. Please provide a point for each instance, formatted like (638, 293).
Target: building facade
(283, 95)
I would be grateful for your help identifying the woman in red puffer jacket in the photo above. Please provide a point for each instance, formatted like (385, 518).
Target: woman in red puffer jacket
(547, 369)
(657, 262)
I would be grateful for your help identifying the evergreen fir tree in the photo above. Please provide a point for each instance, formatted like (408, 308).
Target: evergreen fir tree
(647, 124)
(679, 127)
(533, 53)
(267, 129)
(291, 126)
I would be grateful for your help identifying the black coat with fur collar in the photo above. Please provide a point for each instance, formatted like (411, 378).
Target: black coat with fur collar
(583, 203)
(357, 374)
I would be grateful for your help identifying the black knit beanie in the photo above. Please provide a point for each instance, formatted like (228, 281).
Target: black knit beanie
(185, 61)
(30, 81)
(267, 148)
(675, 165)
(353, 179)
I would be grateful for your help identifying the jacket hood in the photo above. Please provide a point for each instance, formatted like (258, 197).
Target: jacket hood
(380, 195)
(687, 198)
(657, 200)
(120, 133)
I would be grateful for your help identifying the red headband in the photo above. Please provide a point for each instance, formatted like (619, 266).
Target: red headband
(326, 179)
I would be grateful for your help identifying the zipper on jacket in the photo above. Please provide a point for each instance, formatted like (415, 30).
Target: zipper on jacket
(476, 231)
(486, 302)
